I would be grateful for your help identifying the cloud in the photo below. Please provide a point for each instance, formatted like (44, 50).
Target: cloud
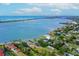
(56, 11)
(47, 8)
(29, 10)
(58, 5)
(57, 8)
(61, 5)
(65, 6)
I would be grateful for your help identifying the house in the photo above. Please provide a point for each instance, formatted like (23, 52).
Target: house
(47, 38)
(35, 43)
(1, 52)
(12, 47)
(32, 45)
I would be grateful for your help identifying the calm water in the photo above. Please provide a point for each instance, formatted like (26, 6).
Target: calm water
(28, 30)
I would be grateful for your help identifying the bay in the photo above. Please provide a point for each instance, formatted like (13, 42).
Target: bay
(28, 30)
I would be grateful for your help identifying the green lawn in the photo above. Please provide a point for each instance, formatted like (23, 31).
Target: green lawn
(2, 46)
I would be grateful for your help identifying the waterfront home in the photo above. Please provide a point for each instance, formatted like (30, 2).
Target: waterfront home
(14, 49)
(32, 45)
(35, 43)
(47, 38)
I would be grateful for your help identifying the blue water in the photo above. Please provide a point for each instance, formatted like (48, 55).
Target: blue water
(28, 30)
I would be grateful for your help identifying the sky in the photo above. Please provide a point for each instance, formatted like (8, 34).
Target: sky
(39, 9)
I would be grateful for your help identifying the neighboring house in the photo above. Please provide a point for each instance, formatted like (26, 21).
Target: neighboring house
(1, 52)
(32, 45)
(47, 38)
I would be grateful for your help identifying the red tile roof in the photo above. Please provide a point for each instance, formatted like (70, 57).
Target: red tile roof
(1, 52)
(11, 46)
